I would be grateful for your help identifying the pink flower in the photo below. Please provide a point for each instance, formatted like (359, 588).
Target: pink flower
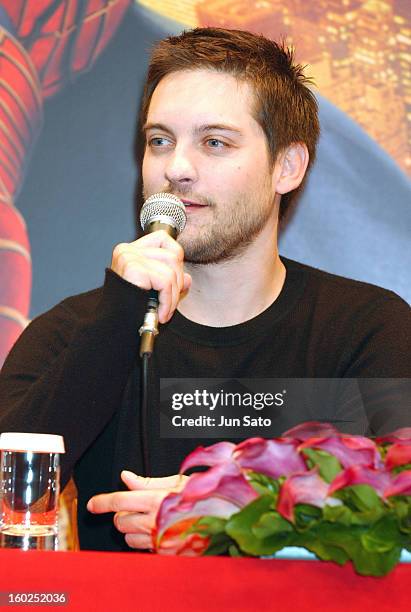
(349, 450)
(305, 488)
(219, 492)
(176, 516)
(383, 482)
(399, 435)
(173, 542)
(273, 458)
(398, 454)
(401, 485)
(311, 429)
(224, 480)
(362, 474)
(221, 452)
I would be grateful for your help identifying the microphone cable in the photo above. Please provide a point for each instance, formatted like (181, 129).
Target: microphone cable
(167, 212)
(144, 414)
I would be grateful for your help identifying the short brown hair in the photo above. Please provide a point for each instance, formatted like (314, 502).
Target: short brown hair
(285, 107)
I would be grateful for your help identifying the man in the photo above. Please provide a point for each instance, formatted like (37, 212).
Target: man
(230, 127)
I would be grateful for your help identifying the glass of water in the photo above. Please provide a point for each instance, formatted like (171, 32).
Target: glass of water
(30, 486)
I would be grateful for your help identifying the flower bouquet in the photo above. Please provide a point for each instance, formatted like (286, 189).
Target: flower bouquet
(342, 497)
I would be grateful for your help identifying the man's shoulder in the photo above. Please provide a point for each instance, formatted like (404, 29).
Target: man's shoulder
(365, 328)
(69, 311)
(81, 305)
(334, 289)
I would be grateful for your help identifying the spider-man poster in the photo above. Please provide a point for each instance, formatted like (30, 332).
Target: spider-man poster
(70, 80)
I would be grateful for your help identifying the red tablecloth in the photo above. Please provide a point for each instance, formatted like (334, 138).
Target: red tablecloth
(144, 582)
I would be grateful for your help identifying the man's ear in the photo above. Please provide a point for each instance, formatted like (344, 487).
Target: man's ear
(291, 165)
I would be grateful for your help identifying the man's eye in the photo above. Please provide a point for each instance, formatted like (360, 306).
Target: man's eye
(214, 143)
(158, 141)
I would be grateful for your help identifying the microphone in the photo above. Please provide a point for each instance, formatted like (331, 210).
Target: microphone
(163, 211)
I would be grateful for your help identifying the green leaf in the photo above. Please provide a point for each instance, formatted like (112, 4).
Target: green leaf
(365, 519)
(328, 465)
(376, 564)
(400, 506)
(405, 525)
(360, 498)
(324, 551)
(246, 526)
(306, 516)
(383, 536)
(334, 535)
(338, 514)
(335, 542)
(271, 524)
(220, 544)
(234, 551)
(264, 485)
(402, 509)
(208, 525)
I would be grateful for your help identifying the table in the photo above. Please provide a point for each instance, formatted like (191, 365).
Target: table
(145, 582)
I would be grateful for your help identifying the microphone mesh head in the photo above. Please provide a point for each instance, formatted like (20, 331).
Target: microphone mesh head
(166, 208)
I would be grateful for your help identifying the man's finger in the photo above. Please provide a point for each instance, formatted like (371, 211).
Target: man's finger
(134, 522)
(142, 542)
(187, 281)
(159, 239)
(138, 483)
(129, 501)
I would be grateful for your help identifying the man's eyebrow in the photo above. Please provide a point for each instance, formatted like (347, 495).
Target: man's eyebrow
(155, 126)
(222, 127)
(201, 129)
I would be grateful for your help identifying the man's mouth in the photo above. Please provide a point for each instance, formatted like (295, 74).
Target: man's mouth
(191, 204)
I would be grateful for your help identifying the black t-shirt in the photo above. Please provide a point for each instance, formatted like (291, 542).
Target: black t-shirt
(75, 371)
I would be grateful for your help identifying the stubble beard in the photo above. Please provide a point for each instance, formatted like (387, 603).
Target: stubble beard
(231, 230)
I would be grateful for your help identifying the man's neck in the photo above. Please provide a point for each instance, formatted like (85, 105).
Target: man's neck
(234, 291)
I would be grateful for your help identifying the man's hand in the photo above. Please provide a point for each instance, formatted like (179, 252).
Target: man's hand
(155, 261)
(136, 510)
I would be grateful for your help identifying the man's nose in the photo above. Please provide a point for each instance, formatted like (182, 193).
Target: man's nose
(181, 166)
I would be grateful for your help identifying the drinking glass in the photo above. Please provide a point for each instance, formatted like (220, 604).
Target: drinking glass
(30, 485)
